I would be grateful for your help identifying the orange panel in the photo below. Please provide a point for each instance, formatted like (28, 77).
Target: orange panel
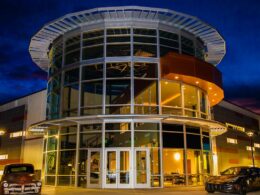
(193, 71)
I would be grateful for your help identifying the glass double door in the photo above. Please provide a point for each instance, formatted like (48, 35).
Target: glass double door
(119, 172)
(117, 168)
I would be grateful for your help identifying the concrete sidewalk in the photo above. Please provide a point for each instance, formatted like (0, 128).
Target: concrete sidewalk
(50, 190)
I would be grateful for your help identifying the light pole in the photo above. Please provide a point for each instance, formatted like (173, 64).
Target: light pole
(250, 134)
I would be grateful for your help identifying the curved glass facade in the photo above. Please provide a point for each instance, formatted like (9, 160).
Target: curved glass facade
(116, 71)
(118, 117)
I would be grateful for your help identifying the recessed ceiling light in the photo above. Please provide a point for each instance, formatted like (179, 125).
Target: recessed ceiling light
(215, 94)
(166, 82)
(176, 77)
(197, 82)
(210, 88)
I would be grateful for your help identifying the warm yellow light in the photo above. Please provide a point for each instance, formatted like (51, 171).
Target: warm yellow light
(177, 156)
(250, 133)
(215, 94)
(166, 82)
(56, 136)
(176, 77)
(2, 132)
(210, 88)
(171, 98)
(197, 82)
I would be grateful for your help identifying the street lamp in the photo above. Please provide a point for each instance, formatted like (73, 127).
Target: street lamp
(250, 134)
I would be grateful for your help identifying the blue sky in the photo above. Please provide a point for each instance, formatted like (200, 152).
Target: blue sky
(238, 21)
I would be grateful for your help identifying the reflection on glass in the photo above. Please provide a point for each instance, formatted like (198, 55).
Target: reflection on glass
(145, 70)
(67, 162)
(83, 162)
(90, 140)
(111, 167)
(118, 139)
(120, 69)
(70, 100)
(124, 167)
(169, 42)
(68, 141)
(141, 167)
(145, 92)
(190, 100)
(52, 143)
(187, 46)
(66, 180)
(94, 167)
(171, 97)
(91, 93)
(146, 139)
(118, 92)
(194, 167)
(206, 162)
(51, 163)
(203, 106)
(173, 167)
(155, 167)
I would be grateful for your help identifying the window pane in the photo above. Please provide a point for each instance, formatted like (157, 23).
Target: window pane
(70, 100)
(145, 70)
(52, 143)
(118, 126)
(202, 101)
(91, 127)
(92, 72)
(173, 140)
(194, 167)
(118, 109)
(146, 139)
(91, 93)
(173, 167)
(172, 127)
(118, 92)
(140, 31)
(190, 97)
(92, 52)
(71, 76)
(142, 50)
(83, 162)
(187, 46)
(118, 139)
(70, 129)
(145, 92)
(118, 50)
(90, 140)
(121, 69)
(72, 50)
(67, 162)
(191, 129)
(171, 95)
(193, 141)
(146, 126)
(68, 141)
(51, 163)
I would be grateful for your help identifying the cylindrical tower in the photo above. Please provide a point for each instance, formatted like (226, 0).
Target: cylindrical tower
(129, 97)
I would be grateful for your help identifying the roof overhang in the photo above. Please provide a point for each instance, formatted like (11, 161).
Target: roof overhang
(40, 42)
(216, 128)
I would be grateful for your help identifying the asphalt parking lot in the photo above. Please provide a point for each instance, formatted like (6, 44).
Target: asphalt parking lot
(48, 190)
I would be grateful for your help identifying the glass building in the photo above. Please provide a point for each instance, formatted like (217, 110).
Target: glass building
(129, 98)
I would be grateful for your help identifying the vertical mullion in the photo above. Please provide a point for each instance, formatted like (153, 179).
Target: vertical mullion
(161, 155)
(185, 155)
(77, 155)
(104, 73)
(132, 95)
(80, 74)
(57, 156)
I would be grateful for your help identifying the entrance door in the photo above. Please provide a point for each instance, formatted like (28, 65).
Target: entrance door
(142, 168)
(93, 168)
(117, 168)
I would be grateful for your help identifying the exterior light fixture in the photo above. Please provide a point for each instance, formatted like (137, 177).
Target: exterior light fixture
(250, 134)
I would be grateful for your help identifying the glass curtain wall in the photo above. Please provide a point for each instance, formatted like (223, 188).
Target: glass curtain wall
(194, 155)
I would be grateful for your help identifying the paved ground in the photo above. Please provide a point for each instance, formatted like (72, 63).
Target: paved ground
(167, 191)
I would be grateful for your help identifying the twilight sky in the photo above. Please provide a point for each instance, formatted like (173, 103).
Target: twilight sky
(238, 21)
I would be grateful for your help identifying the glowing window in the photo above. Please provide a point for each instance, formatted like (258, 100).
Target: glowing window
(231, 141)
(16, 134)
(256, 145)
(249, 148)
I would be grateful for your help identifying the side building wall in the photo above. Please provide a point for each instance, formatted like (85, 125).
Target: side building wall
(233, 147)
(16, 117)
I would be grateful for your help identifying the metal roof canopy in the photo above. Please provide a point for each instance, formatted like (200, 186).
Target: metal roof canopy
(40, 42)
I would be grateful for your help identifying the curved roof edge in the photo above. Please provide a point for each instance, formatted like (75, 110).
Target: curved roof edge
(40, 42)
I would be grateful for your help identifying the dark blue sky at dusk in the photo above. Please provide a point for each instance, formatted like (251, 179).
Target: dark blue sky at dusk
(238, 21)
